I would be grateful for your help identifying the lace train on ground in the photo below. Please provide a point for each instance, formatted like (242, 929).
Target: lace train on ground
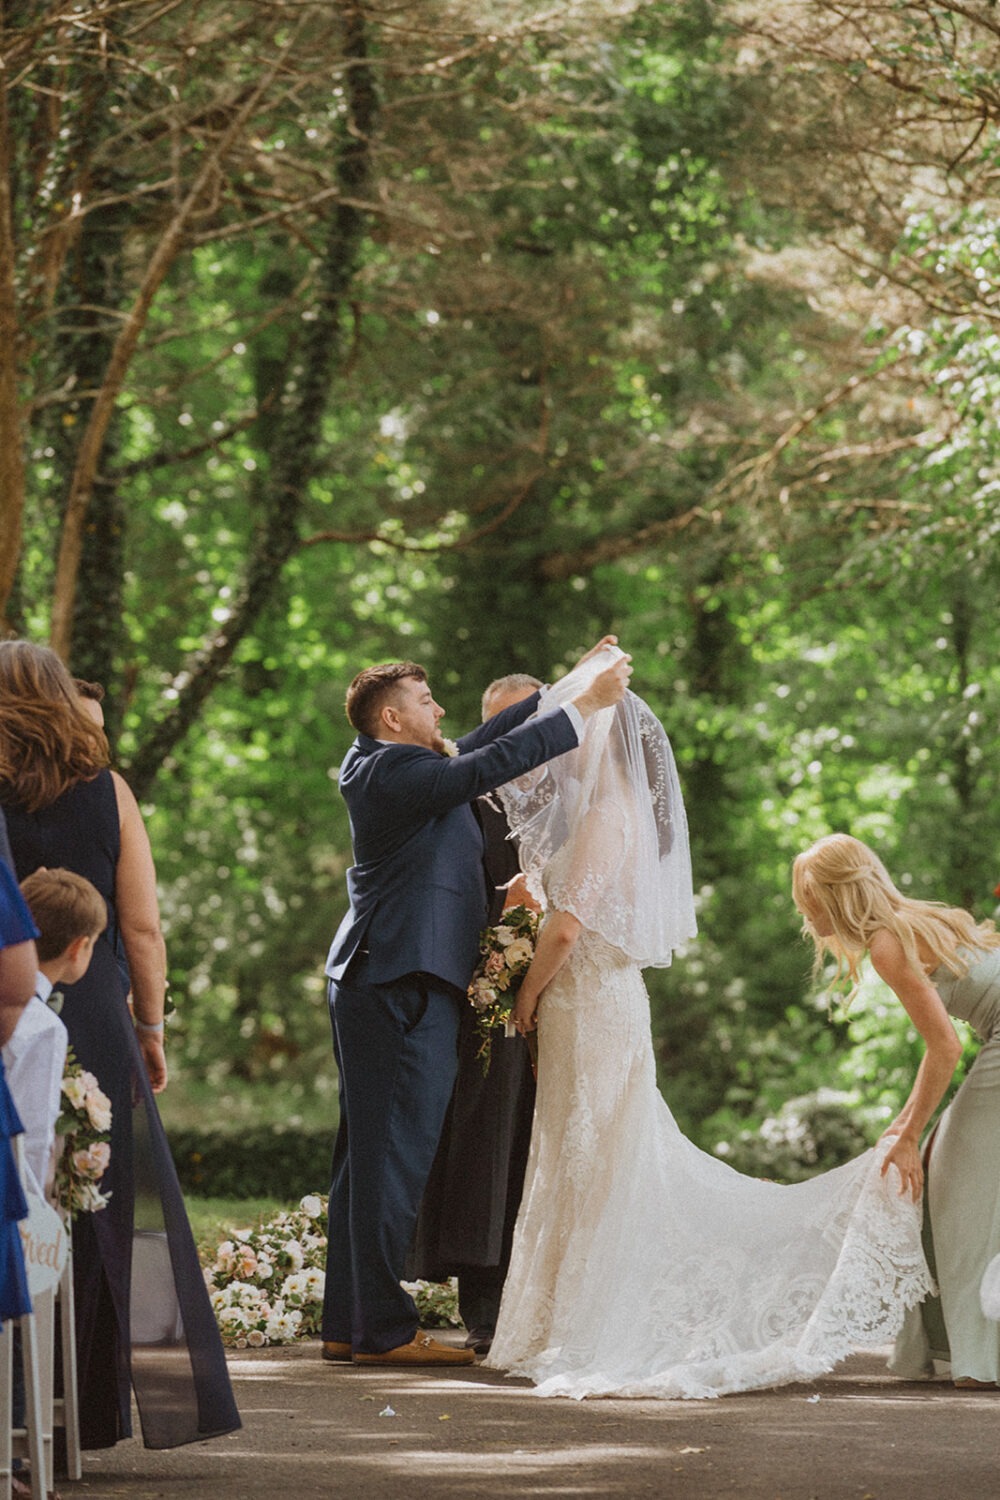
(644, 1267)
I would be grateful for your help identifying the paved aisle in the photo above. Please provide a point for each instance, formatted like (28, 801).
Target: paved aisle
(312, 1430)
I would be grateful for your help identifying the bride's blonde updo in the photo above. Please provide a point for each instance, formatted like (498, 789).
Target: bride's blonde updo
(841, 884)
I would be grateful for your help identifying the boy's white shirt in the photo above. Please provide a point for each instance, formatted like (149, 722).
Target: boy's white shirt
(35, 1061)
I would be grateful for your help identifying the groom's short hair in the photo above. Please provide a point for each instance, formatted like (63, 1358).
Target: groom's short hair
(374, 687)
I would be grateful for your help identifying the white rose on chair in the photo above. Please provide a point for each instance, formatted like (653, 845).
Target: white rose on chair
(82, 1131)
(98, 1106)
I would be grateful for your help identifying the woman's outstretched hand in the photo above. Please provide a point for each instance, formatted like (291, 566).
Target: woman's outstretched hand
(904, 1155)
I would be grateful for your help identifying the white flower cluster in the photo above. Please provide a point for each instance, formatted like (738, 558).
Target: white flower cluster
(266, 1285)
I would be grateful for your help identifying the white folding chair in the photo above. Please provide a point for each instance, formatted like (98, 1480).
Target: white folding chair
(30, 1440)
(66, 1408)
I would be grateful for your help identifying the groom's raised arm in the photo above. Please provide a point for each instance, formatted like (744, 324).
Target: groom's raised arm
(416, 783)
(499, 724)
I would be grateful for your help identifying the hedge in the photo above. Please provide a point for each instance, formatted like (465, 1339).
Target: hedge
(260, 1163)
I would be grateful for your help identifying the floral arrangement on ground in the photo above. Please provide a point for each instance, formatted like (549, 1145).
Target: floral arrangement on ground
(266, 1285)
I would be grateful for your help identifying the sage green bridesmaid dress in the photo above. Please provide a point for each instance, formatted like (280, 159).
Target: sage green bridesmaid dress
(962, 1206)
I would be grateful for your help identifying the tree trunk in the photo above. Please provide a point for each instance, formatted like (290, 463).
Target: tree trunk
(297, 419)
(91, 450)
(11, 436)
(95, 282)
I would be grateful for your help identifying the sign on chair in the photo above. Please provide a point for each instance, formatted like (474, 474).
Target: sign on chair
(46, 1245)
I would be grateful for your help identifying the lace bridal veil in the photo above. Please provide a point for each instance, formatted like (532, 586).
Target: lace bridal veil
(606, 825)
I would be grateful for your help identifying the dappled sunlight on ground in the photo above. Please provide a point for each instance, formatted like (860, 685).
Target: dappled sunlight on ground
(314, 1431)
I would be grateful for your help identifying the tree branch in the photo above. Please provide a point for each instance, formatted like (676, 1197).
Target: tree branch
(88, 456)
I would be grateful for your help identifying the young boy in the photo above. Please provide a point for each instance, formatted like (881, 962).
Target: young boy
(70, 915)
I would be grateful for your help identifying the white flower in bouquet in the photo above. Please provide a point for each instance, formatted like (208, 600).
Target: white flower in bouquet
(505, 954)
(482, 994)
(256, 1338)
(519, 953)
(312, 1206)
(450, 748)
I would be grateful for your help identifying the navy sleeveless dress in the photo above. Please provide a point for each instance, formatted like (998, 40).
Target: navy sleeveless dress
(143, 1318)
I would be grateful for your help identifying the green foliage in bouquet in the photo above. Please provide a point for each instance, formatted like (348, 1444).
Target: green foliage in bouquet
(505, 953)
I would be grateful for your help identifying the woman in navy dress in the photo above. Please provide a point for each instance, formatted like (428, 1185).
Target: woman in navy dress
(142, 1312)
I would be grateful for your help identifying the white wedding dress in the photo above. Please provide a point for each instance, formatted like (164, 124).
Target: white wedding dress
(642, 1266)
(645, 1267)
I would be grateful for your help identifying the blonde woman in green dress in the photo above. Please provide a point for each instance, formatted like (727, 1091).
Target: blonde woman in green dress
(941, 964)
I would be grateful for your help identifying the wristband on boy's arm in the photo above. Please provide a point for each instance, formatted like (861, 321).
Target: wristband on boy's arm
(148, 1028)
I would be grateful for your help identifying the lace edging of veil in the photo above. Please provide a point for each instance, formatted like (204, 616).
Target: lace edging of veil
(602, 829)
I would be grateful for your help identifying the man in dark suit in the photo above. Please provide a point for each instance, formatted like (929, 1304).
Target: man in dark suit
(399, 968)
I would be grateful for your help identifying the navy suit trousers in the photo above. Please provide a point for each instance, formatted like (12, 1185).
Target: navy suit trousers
(396, 1051)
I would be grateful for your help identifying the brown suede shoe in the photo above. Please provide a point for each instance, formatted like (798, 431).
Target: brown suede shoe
(338, 1354)
(421, 1350)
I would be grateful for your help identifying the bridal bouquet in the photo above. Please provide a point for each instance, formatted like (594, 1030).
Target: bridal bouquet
(84, 1128)
(505, 951)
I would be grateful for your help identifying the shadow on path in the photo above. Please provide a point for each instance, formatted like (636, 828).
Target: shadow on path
(315, 1430)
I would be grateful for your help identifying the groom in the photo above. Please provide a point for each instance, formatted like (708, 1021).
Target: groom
(399, 968)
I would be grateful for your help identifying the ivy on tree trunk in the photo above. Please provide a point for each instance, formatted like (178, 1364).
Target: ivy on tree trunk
(297, 422)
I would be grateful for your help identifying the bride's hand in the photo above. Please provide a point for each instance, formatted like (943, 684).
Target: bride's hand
(525, 1013)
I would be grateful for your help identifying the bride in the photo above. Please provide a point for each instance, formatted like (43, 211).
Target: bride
(642, 1266)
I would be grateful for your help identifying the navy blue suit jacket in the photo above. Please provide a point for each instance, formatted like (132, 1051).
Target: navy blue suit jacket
(418, 887)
